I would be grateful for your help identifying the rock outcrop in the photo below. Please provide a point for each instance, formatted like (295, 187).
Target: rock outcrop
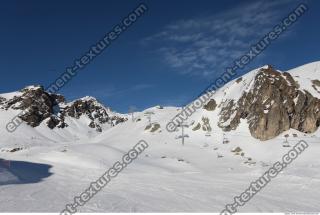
(204, 124)
(96, 112)
(274, 104)
(2, 101)
(211, 105)
(39, 106)
(36, 104)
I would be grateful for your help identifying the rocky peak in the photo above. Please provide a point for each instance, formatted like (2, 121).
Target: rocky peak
(273, 104)
(95, 111)
(38, 106)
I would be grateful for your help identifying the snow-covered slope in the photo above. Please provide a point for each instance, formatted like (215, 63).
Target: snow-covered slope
(202, 176)
(305, 75)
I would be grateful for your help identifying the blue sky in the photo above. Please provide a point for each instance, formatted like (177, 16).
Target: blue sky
(167, 57)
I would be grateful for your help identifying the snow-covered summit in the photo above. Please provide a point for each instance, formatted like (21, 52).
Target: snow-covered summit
(35, 106)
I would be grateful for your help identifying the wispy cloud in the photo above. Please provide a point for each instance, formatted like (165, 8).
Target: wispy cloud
(206, 45)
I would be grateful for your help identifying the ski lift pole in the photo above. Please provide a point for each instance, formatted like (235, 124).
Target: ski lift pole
(182, 136)
(149, 114)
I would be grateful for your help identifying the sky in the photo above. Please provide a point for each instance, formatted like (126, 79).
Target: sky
(169, 56)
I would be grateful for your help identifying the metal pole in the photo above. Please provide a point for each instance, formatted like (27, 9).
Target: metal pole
(182, 135)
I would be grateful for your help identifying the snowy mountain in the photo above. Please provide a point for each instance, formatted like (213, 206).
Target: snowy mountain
(231, 141)
(35, 106)
(265, 101)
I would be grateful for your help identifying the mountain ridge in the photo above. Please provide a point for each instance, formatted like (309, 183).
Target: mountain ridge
(245, 98)
(38, 106)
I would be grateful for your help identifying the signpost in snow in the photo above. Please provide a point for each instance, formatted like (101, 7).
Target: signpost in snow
(182, 136)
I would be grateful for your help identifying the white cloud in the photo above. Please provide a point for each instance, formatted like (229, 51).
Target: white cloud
(206, 45)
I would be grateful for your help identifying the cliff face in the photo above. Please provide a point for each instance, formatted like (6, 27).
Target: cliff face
(38, 106)
(272, 105)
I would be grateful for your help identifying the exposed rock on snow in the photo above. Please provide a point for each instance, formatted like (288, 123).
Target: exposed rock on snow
(2, 100)
(95, 111)
(197, 127)
(239, 80)
(206, 124)
(274, 104)
(316, 85)
(39, 106)
(211, 105)
(36, 104)
(153, 127)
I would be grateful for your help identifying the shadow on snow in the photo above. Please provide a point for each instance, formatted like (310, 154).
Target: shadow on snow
(22, 172)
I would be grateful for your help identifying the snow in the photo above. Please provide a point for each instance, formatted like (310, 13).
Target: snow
(201, 176)
(159, 182)
(10, 95)
(305, 74)
(31, 87)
